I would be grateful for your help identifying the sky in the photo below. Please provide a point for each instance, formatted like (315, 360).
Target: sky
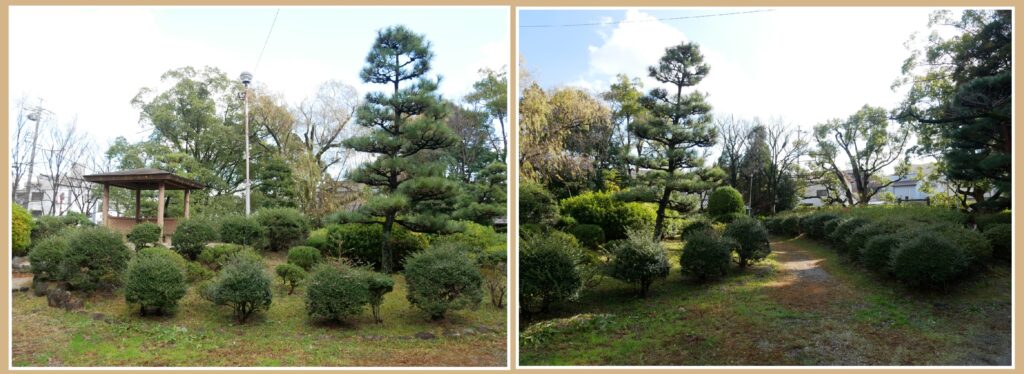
(89, 62)
(805, 65)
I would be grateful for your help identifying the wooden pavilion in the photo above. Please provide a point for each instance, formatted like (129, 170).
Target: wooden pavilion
(138, 180)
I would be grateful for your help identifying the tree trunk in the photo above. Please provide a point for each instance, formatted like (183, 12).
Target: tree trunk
(659, 222)
(385, 249)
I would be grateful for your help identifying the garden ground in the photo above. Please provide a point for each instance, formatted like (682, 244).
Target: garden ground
(802, 306)
(108, 333)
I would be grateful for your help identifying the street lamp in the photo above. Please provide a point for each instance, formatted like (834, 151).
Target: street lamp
(246, 78)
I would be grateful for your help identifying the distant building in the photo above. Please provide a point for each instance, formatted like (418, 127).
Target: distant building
(73, 194)
(910, 187)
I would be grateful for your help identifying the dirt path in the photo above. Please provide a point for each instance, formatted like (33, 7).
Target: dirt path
(804, 284)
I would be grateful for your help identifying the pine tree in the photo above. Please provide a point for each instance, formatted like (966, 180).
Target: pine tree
(404, 125)
(679, 123)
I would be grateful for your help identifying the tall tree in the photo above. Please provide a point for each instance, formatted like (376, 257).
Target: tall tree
(865, 143)
(473, 152)
(491, 92)
(411, 190)
(733, 133)
(960, 101)
(625, 95)
(785, 147)
(754, 169)
(679, 124)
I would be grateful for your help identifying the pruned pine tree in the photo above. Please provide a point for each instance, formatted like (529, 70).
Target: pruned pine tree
(403, 124)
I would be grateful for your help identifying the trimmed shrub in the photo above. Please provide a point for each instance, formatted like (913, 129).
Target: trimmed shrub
(548, 271)
(1000, 237)
(144, 234)
(725, 200)
(197, 273)
(243, 285)
(442, 279)
(493, 267)
(46, 257)
(239, 229)
(729, 217)
(706, 256)
(335, 292)
(791, 225)
(95, 257)
(615, 217)
(291, 275)
(378, 285)
(876, 254)
(844, 230)
(974, 243)
(696, 226)
(638, 260)
(282, 227)
(362, 243)
(536, 204)
(475, 236)
(984, 221)
(76, 219)
(155, 280)
(21, 230)
(928, 261)
(47, 227)
(857, 240)
(814, 225)
(830, 226)
(318, 239)
(590, 236)
(304, 257)
(191, 237)
(751, 240)
(216, 256)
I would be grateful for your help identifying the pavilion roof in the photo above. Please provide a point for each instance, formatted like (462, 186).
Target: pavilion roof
(145, 179)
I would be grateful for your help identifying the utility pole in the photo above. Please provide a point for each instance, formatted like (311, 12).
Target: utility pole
(37, 116)
(246, 78)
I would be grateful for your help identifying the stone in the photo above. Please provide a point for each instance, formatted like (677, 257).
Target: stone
(21, 264)
(58, 297)
(451, 333)
(423, 335)
(468, 331)
(39, 288)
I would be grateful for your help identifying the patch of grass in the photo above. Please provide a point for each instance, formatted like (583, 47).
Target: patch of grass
(202, 334)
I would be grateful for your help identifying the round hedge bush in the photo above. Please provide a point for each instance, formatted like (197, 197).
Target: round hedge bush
(46, 257)
(928, 261)
(615, 217)
(144, 234)
(215, 257)
(548, 271)
(844, 230)
(706, 256)
(814, 225)
(984, 221)
(975, 245)
(318, 239)
(155, 280)
(304, 257)
(829, 226)
(21, 230)
(243, 285)
(590, 236)
(96, 257)
(362, 243)
(47, 226)
(876, 254)
(475, 236)
(335, 292)
(536, 204)
(638, 260)
(725, 200)
(291, 275)
(791, 225)
(239, 229)
(1000, 237)
(282, 227)
(191, 237)
(442, 279)
(378, 285)
(696, 226)
(751, 240)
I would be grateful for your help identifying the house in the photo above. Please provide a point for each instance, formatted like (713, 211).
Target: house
(910, 187)
(71, 194)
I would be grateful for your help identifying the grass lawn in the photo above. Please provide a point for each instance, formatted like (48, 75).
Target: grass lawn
(202, 334)
(803, 306)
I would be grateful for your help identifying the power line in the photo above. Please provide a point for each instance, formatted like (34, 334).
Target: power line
(648, 20)
(271, 31)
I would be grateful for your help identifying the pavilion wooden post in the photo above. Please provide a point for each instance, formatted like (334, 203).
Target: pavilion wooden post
(160, 211)
(138, 206)
(106, 204)
(188, 193)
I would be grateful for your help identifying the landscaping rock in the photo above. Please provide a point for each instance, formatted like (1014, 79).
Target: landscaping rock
(58, 297)
(373, 337)
(451, 333)
(423, 335)
(469, 331)
(40, 288)
(21, 264)
(484, 329)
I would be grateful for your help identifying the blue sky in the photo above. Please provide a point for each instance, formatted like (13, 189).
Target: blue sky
(88, 62)
(805, 65)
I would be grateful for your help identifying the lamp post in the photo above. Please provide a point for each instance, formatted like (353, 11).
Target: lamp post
(246, 78)
(36, 116)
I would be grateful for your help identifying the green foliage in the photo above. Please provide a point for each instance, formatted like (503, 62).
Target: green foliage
(536, 204)
(590, 236)
(46, 257)
(217, 256)
(95, 257)
(191, 237)
(729, 218)
(291, 275)
(696, 226)
(615, 217)
(21, 230)
(1000, 237)
(155, 280)
(751, 240)
(378, 285)
(243, 285)
(335, 292)
(791, 225)
(706, 256)
(857, 240)
(362, 243)
(239, 229)
(844, 230)
(274, 184)
(441, 280)
(928, 261)
(318, 239)
(144, 234)
(548, 270)
(197, 273)
(282, 227)
(725, 200)
(814, 224)
(984, 221)
(304, 257)
(876, 254)
(493, 265)
(638, 260)
(972, 242)
(475, 236)
(46, 227)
